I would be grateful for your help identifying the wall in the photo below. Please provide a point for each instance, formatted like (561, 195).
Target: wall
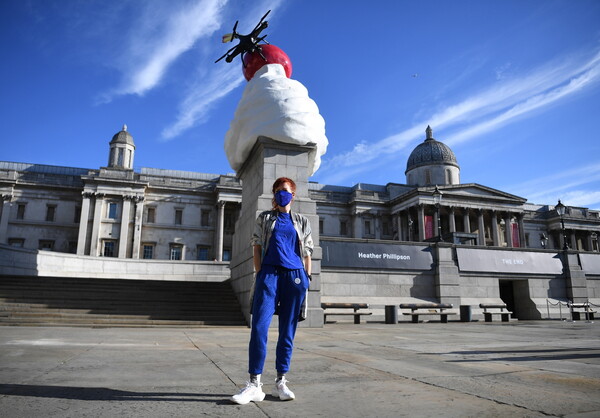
(25, 262)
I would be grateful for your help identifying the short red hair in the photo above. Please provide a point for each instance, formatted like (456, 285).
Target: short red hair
(282, 180)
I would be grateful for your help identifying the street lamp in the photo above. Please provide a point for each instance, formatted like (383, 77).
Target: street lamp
(560, 209)
(437, 200)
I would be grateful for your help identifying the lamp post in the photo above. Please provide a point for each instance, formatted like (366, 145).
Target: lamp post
(437, 200)
(560, 209)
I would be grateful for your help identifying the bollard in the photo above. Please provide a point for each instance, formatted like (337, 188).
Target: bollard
(465, 313)
(391, 314)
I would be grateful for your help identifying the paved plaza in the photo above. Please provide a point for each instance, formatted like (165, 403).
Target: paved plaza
(520, 369)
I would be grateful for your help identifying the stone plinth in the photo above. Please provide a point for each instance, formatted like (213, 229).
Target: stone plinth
(268, 161)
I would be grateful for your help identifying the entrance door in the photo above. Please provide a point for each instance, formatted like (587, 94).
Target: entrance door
(507, 295)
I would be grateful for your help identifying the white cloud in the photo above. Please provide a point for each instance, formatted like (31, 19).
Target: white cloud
(575, 187)
(214, 81)
(159, 37)
(500, 104)
(201, 97)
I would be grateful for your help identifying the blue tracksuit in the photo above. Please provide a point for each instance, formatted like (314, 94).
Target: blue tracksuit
(280, 287)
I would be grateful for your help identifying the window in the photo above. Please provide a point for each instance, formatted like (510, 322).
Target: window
(202, 253)
(109, 248)
(120, 157)
(73, 247)
(205, 218)
(178, 216)
(77, 215)
(151, 215)
(50, 213)
(16, 242)
(427, 176)
(21, 211)
(148, 251)
(321, 226)
(226, 254)
(175, 252)
(385, 226)
(367, 227)
(343, 228)
(229, 222)
(46, 245)
(448, 176)
(112, 210)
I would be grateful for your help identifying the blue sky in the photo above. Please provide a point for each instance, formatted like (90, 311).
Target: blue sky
(513, 87)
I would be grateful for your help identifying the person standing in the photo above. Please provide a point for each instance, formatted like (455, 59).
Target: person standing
(282, 245)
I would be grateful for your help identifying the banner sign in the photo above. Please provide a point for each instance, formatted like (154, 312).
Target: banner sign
(590, 263)
(376, 255)
(498, 261)
(515, 236)
(428, 226)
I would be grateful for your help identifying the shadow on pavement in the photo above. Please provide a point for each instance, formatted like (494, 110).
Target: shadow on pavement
(107, 394)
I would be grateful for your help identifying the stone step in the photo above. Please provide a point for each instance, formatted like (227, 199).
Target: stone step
(98, 302)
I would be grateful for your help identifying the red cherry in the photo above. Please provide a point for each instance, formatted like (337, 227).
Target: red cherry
(274, 55)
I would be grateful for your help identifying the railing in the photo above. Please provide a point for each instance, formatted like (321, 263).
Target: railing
(587, 305)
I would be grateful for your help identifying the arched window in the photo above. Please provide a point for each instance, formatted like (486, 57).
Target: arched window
(427, 176)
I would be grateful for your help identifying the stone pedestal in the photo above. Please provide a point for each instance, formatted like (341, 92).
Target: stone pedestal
(447, 276)
(268, 161)
(576, 280)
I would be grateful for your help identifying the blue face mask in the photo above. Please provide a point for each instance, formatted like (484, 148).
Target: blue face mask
(283, 197)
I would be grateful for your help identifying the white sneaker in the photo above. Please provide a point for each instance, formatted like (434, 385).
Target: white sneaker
(282, 392)
(251, 393)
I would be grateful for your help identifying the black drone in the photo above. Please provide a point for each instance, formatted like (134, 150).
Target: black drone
(248, 43)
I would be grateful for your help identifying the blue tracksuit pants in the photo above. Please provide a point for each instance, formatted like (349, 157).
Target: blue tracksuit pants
(284, 290)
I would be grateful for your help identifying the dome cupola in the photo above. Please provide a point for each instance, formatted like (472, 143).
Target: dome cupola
(432, 162)
(122, 149)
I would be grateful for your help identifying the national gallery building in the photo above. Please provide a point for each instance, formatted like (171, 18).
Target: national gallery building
(431, 239)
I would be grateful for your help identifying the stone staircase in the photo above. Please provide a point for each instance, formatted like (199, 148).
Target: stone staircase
(49, 301)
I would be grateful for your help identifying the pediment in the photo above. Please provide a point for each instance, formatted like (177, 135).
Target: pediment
(478, 191)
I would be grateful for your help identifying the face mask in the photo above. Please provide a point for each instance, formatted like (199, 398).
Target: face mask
(283, 197)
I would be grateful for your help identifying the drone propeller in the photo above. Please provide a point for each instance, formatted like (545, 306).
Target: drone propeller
(227, 53)
(261, 20)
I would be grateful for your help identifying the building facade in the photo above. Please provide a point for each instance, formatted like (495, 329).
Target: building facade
(163, 214)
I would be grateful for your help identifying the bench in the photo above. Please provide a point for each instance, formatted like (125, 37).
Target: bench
(418, 309)
(487, 314)
(578, 308)
(356, 307)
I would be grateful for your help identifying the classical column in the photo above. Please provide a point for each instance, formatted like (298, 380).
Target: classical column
(521, 224)
(6, 198)
(357, 225)
(573, 240)
(495, 234)
(220, 226)
(508, 230)
(452, 219)
(481, 226)
(137, 226)
(466, 221)
(421, 220)
(590, 244)
(400, 229)
(377, 225)
(124, 232)
(83, 222)
(94, 250)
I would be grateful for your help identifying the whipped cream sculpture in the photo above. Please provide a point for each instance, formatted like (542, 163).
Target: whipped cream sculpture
(272, 105)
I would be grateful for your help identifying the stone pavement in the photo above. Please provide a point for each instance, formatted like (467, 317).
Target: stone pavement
(519, 369)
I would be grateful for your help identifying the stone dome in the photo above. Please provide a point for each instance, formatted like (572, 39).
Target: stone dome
(431, 152)
(123, 137)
